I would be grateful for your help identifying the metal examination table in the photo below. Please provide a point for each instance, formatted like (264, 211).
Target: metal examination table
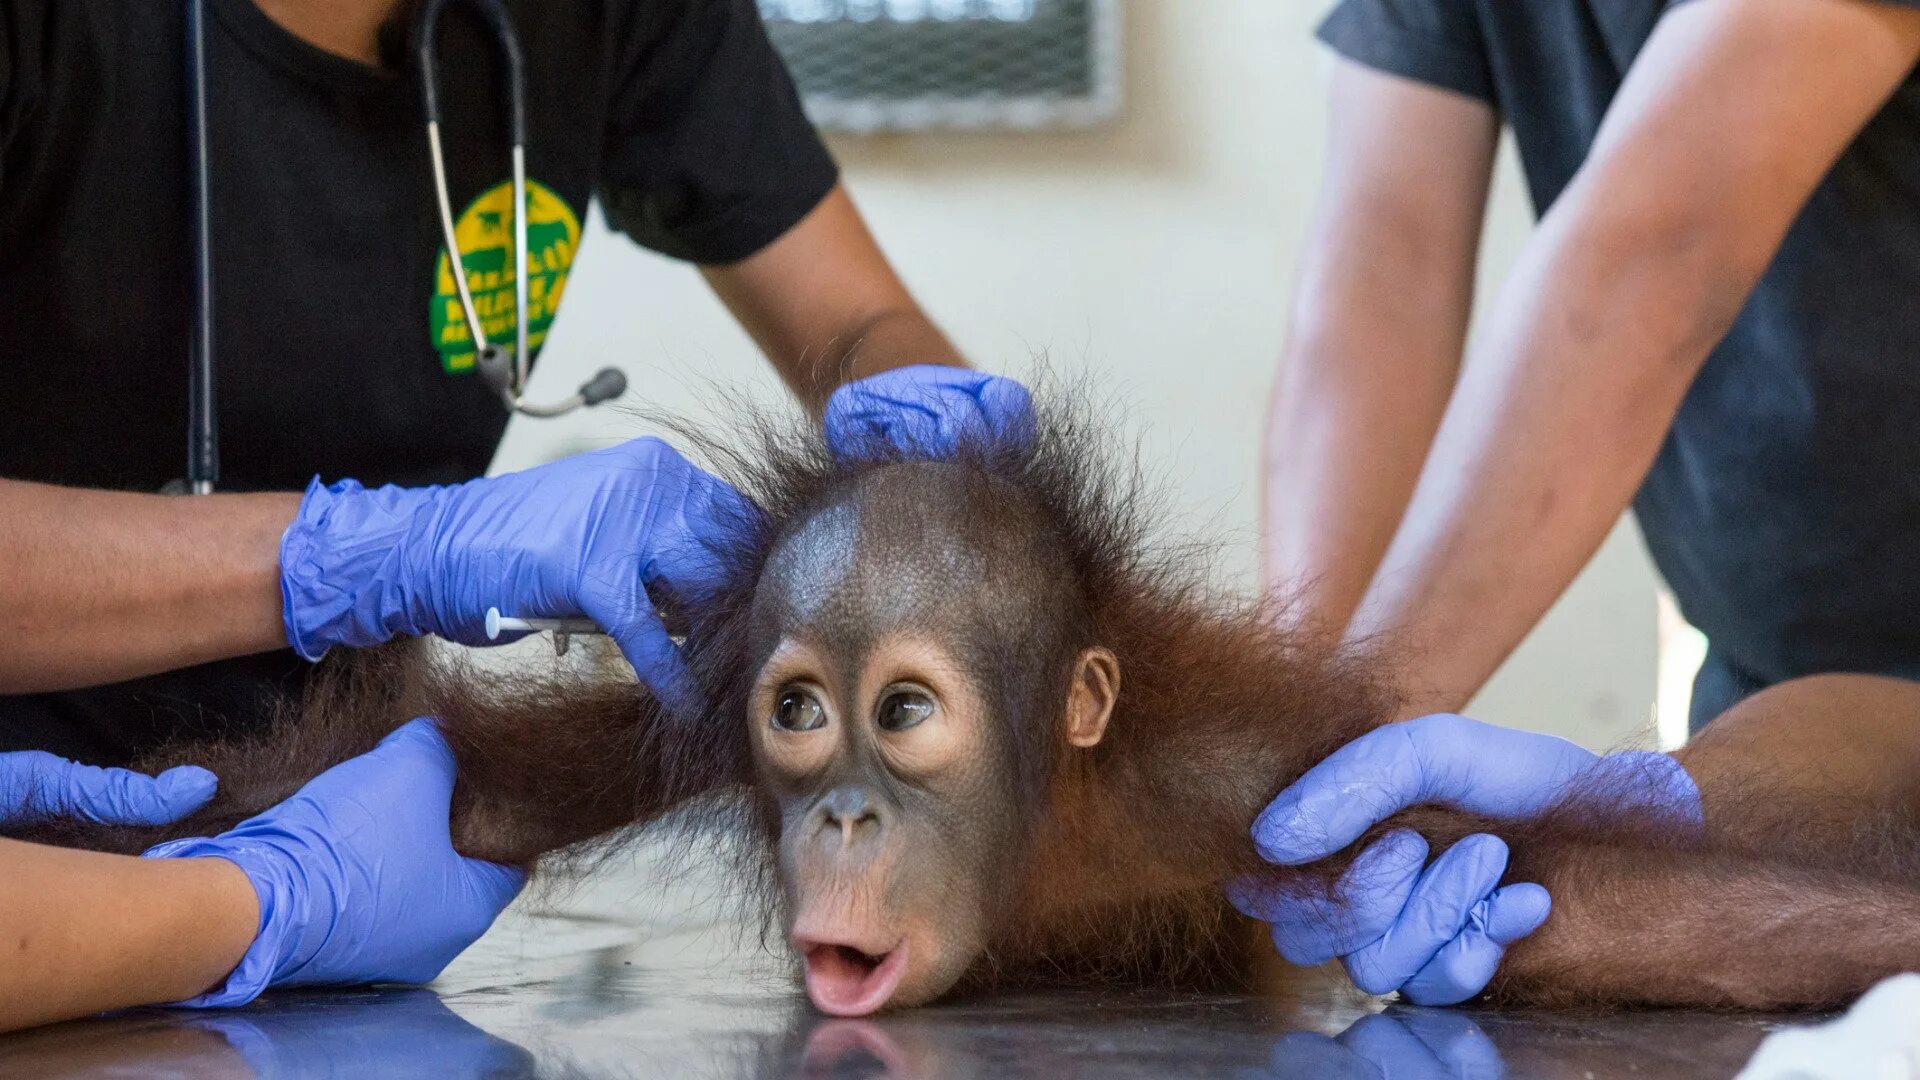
(625, 977)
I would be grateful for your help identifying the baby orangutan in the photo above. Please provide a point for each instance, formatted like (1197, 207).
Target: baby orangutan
(979, 730)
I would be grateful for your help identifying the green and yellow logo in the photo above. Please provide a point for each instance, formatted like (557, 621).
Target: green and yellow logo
(485, 233)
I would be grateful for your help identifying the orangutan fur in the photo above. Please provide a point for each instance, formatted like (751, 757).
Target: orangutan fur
(1130, 844)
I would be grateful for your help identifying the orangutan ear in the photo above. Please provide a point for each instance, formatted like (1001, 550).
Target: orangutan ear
(1096, 686)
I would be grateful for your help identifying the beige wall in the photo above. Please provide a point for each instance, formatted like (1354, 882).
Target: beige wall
(1157, 252)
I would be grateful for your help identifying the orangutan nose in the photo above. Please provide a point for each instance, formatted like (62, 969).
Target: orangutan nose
(851, 812)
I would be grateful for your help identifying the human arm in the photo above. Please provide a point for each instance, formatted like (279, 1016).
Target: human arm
(99, 931)
(1728, 120)
(109, 585)
(825, 306)
(94, 932)
(354, 879)
(1378, 322)
(99, 586)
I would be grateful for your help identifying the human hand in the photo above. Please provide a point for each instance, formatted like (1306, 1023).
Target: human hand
(925, 409)
(36, 784)
(607, 535)
(356, 874)
(1435, 933)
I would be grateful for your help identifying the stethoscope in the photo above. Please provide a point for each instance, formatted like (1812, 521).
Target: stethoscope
(502, 371)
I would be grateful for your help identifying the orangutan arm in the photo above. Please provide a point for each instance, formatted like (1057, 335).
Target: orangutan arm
(546, 762)
(1706, 928)
(1803, 890)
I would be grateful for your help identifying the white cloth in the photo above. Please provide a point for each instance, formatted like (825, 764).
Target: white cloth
(1877, 1039)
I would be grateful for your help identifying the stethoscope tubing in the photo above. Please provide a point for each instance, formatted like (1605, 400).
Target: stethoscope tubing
(203, 434)
(507, 44)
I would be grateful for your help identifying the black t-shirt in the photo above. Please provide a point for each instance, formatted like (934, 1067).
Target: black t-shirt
(1784, 504)
(340, 346)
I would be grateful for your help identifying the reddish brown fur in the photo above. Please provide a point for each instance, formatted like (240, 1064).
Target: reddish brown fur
(1218, 711)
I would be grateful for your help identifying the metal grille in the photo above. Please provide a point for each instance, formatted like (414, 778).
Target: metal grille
(894, 65)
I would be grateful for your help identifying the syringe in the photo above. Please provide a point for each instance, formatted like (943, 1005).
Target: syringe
(561, 629)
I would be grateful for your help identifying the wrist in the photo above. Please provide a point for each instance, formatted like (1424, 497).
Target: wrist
(1646, 780)
(285, 933)
(345, 574)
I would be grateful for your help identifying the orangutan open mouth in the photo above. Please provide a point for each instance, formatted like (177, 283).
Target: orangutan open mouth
(846, 981)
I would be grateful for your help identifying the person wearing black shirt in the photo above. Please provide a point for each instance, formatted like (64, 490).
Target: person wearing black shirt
(1716, 322)
(130, 619)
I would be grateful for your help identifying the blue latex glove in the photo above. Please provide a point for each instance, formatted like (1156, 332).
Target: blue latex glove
(1435, 933)
(36, 784)
(1405, 1044)
(925, 410)
(597, 534)
(357, 877)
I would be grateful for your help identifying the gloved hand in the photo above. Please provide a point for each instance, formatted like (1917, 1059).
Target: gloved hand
(597, 534)
(36, 784)
(356, 874)
(925, 409)
(1435, 933)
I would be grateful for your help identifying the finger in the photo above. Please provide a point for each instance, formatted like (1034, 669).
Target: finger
(659, 663)
(61, 788)
(1488, 769)
(1435, 913)
(692, 561)
(1007, 409)
(419, 750)
(1311, 927)
(184, 789)
(1464, 966)
(1355, 788)
(495, 884)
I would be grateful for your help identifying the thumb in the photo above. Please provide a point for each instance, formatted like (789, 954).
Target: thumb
(417, 757)
(658, 662)
(56, 787)
(493, 884)
(1364, 782)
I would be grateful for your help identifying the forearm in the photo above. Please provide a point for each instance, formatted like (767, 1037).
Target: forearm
(825, 306)
(1703, 929)
(1724, 127)
(1563, 404)
(1799, 887)
(90, 932)
(1378, 322)
(99, 586)
(877, 342)
(1365, 382)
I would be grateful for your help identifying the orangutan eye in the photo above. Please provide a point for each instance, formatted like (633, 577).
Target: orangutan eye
(904, 709)
(799, 710)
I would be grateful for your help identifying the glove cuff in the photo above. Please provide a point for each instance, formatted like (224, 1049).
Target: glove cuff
(278, 947)
(342, 566)
(1649, 780)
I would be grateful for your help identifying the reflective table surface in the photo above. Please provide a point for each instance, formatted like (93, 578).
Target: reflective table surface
(623, 976)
